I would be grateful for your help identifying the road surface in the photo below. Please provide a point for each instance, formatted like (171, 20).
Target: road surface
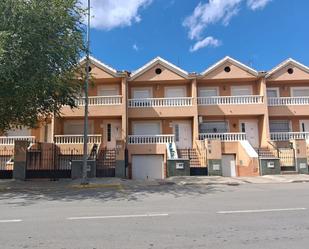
(234, 217)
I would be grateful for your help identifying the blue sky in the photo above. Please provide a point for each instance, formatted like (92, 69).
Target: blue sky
(126, 34)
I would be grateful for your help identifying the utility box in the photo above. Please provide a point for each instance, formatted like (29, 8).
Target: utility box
(20, 160)
(77, 169)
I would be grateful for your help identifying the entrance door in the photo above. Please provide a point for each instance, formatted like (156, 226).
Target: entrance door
(250, 127)
(183, 134)
(112, 132)
(228, 165)
(304, 125)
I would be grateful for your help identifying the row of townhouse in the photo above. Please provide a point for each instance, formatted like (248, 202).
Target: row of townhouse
(223, 121)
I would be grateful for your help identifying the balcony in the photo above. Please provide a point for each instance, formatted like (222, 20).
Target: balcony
(98, 106)
(286, 106)
(161, 107)
(160, 102)
(150, 139)
(100, 100)
(285, 136)
(231, 105)
(77, 139)
(10, 140)
(229, 137)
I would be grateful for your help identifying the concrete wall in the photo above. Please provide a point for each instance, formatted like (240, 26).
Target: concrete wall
(173, 171)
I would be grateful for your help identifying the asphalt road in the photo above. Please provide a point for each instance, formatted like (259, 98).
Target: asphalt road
(246, 216)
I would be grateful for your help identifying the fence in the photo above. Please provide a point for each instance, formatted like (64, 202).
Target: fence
(6, 165)
(47, 161)
(106, 163)
(287, 159)
(230, 100)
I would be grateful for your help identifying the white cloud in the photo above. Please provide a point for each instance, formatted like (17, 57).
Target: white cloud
(135, 47)
(209, 13)
(109, 14)
(207, 42)
(216, 11)
(257, 4)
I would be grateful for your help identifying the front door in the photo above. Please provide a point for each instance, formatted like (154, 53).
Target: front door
(228, 165)
(112, 132)
(183, 134)
(250, 127)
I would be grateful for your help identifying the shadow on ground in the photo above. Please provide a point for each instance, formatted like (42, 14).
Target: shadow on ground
(52, 191)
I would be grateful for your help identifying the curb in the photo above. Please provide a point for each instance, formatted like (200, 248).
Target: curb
(95, 186)
(299, 181)
(208, 183)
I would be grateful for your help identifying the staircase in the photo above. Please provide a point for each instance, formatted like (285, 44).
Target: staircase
(190, 154)
(267, 153)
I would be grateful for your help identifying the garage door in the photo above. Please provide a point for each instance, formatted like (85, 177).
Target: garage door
(147, 167)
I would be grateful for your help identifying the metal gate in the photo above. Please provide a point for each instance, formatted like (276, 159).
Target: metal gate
(287, 159)
(106, 163)
(6, 163)
(47, 161)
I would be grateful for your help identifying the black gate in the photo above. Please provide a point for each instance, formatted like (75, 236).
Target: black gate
(6, 163)
(106, 163)
(47, 161)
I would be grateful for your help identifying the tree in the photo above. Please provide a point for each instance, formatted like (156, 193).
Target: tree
(41, 43)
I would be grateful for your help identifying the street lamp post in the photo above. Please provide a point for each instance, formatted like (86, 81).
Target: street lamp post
(85, 154)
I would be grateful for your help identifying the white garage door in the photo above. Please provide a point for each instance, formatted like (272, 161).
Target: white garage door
(147, 167)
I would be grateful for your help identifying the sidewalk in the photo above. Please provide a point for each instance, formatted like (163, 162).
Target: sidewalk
(119, 184)
(234, 181)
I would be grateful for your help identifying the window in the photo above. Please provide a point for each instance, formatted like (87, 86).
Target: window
(175, 92)
(241, 90)
(176, 132)
(146, 128)
(208, 91)
(142, 93)
(300, 91)
(243, 127)
(158, 71)
(109, 132)
(227, 69)
(108, 90)
(279, 125)
(290, 71)
(272, 92)
(214, 127)
(76, 127)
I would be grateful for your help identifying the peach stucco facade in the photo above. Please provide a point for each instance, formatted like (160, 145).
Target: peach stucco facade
(227, 104)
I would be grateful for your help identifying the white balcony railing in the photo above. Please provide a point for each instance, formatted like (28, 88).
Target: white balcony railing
(233, 136)
(77, 139)
(281, 101)
(160, 102)
(10, 140)
(150, 139)
(284, 136)
(100, 100)
(230, 100)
